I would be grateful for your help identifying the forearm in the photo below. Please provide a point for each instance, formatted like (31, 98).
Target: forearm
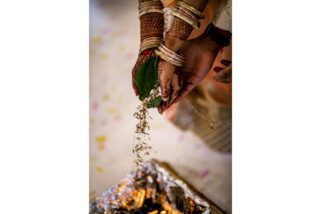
(151, 33)
(151, 23)
(180, 30)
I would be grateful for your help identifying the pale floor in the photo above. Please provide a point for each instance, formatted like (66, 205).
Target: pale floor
(114, 41)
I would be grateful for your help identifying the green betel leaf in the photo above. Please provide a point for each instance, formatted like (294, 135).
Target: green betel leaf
(155, 102)
(146, 78)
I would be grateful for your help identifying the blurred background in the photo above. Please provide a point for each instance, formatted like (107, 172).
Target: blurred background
(194, 137)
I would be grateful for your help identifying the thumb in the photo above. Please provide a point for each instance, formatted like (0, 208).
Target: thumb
(224, 75)
(165, 74)
(187, 89)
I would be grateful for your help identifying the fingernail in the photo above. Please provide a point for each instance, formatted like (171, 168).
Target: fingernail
(165, 99)
(218, 69)
(165, 95)
(226, 62)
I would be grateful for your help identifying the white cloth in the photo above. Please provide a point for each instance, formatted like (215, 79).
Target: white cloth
(168, 19)
(223, 17)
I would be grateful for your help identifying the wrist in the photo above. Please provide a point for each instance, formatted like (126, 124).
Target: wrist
(174, 38)
(148, 52)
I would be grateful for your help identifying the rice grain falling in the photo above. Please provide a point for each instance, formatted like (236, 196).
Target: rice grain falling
(142, 147)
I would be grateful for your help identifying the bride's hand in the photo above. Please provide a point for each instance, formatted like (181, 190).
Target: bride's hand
(169, 81)
(199, 56)
(143, 57)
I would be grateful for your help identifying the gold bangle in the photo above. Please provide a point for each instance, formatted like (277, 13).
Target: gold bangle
(170, 56)
(187, 12)
(151, 42)
(171, 53)
(152, 39)
(150, 6)
(147, 46)
(190, 16)
(150, 11)
(191, 8)
(168, 59)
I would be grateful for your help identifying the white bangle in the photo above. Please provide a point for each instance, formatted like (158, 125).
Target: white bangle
(169, 56)
(151, 42)
(191, 8)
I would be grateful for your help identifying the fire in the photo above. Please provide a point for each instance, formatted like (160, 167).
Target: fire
(150, 190)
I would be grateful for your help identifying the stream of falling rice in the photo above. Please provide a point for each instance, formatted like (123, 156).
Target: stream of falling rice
(142, 147)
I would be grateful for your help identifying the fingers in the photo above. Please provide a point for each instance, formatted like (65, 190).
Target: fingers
(141, 59)
(224, 75)
(188, 88)
(135, 87)
(133, 80)
(175, 88)
(165, 74)
(162, 107)
(190, 82)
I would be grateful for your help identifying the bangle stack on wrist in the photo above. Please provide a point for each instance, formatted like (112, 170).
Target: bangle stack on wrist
(169, 56)
(192, 9)
(152, 42)
(150, 7)
(188, 14)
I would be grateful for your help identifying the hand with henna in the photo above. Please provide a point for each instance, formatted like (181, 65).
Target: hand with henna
(175, 39)
(199, 54)
(151, 25)
(143, 57)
